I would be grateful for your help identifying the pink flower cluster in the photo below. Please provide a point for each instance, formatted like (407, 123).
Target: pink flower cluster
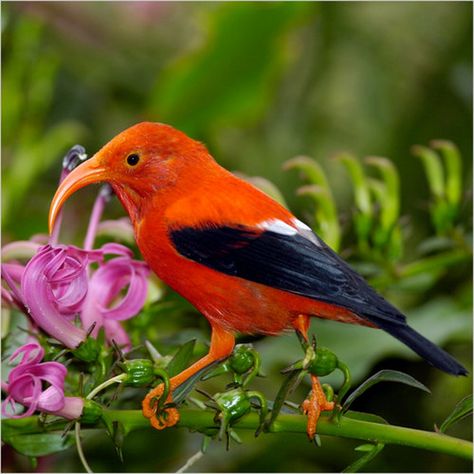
(57, 287)
(26, 386)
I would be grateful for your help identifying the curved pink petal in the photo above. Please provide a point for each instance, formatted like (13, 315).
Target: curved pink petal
(9, 408)
(26, 390)
(70, 296)
(133, 300)
(106, 284)
(112, 248)
(72, 408)
(56, 257)
(40, 300)
(51, 399)
(52, 372)
(71, 270)
(7, 298)
(90, 315)
(32, 354)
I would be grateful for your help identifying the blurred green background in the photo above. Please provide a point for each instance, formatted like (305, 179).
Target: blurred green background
(258, 83)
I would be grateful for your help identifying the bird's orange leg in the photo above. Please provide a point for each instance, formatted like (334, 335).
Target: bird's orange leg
(317, 402)
(222, 345)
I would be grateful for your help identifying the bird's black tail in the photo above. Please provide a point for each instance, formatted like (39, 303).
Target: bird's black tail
(425, 348)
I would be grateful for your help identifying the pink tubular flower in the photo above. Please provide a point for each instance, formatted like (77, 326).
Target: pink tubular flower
(55, 283)
(105, 286)
(53, 286)
(26, 386)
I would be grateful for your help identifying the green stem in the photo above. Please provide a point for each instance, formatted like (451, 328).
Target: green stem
(117, 379)
(200, 420)
(192, 460)
(346, 428)
(80, 452)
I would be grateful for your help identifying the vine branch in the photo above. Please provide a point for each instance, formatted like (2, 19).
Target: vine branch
(202, 420)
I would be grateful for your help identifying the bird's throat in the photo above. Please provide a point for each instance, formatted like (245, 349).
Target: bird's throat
(131, 201)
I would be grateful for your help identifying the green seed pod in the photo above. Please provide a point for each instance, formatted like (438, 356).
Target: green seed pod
(140, 372)
(91, 412)
(242, 360)
(324, 363)
(233, 404)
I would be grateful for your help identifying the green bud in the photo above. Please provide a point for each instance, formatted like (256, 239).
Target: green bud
(140, 372)
(91, 412)
(242, 360)
(88, 351)
(324, 363)
(233, 404)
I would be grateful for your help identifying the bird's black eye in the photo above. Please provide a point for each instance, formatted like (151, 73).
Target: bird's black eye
(133, 159)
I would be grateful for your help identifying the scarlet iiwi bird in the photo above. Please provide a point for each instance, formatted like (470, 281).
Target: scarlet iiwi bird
(244, 261)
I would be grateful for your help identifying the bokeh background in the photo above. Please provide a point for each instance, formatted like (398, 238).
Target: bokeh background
(259, 83)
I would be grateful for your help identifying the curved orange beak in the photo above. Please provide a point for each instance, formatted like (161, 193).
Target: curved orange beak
(87, 173)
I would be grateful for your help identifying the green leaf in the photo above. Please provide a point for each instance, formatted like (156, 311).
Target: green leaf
(434, 244)
(462, 409)
(119, 433)
(310, 168)
(433, 169)
(288, 386)
(361, 190)
(453, 165)
(362, 416)
(383, 376)
(362, 196)
(40, 444)
(182, 390)
(390, 202)
(371, 451)
(326, 219)
(181, 359)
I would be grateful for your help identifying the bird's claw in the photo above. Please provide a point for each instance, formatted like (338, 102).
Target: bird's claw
(160, 414)
(314, 405)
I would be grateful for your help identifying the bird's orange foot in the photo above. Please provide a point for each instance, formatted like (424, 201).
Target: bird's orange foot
(314, 405)
(160, 417)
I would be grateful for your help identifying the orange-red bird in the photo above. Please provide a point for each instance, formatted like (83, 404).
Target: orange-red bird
(244, 261)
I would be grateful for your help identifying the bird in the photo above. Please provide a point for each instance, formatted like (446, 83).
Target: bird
(241, 259)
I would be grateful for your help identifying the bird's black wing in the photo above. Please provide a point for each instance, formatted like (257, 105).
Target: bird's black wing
(301, 263)
(293, 263)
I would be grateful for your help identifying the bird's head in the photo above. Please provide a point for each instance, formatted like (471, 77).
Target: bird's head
(140, 161)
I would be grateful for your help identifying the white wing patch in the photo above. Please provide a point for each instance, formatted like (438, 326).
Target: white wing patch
(282, 228)
(277, 226)
(306, 231)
